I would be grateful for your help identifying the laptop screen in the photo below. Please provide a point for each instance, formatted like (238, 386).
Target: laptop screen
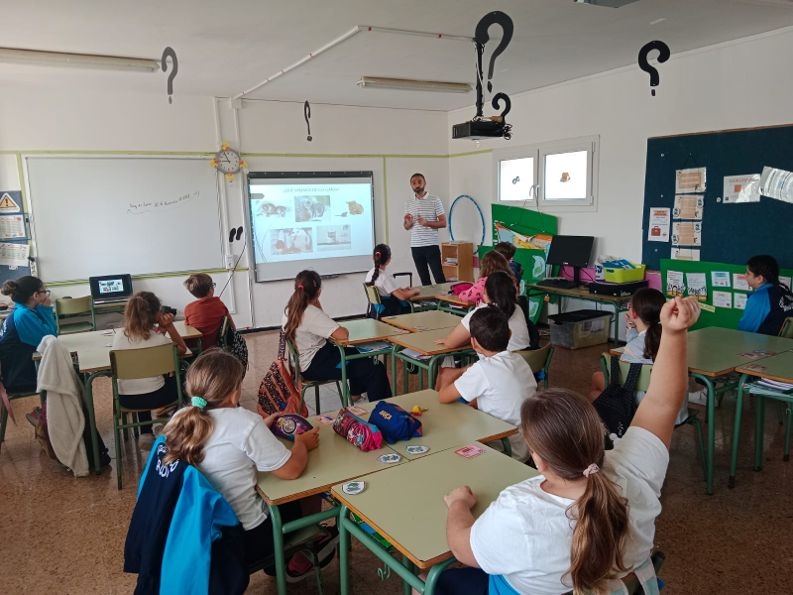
(111, 287)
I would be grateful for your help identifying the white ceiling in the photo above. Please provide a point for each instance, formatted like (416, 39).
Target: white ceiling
(227, 47)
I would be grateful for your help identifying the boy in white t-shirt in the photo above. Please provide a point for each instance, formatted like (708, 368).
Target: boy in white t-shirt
(500, 381)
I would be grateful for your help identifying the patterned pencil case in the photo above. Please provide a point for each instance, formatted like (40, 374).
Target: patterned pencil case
(357, 432)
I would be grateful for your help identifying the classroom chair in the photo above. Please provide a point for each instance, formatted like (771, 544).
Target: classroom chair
(787, 328)
(643, 384)
(539, 361)
(128, 364)
(304, 384)
(631, 582)
(75, 315)
(374, 307)
(4, 411)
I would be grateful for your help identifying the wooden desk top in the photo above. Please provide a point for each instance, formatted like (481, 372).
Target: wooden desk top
(776, 367)
(334, 460)
(581, 293)
(446, 426)
(715, 351)
(454, 301)
(364, 330)
(424, 342)
(405, 504)
(429, 292)
(423, 321)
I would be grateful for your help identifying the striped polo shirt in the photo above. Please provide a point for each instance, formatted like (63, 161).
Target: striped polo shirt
(430, 207)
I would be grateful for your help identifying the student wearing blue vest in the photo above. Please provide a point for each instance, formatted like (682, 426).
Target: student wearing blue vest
(30, 321)
(770, 301)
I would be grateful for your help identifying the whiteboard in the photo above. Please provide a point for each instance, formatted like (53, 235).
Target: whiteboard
(138, 215)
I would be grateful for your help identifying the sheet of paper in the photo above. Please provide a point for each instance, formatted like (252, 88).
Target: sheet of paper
(777, 183)
(740, 301)
(745, 188)
(720, 278)
(690, 180)
(687, 233)
(739, 282)
(722, 299)
(707, 307)
(785, 281)
(658, 225)
(14, 254)
(688, 206)
(685, 254)
(697, 285)
(12, 227)
(674, 283)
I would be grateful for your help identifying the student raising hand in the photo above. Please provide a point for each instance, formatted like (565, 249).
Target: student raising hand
(679, 314)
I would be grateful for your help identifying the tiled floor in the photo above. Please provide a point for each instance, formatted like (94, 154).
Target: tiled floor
(59, 534)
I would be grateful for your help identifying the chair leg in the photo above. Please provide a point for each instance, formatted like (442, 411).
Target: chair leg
(695, 421)
(759, 432)
(316, 399)
(341, 394)
(117, 420)
(788, 428)
(3, 422)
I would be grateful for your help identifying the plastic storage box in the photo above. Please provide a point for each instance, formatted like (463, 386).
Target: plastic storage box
(580, 328)
(615, 275)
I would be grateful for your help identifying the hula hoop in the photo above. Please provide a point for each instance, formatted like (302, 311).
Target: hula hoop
(478, 210)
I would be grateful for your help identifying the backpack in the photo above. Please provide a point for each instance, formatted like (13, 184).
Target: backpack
(277, 391)
(617, 403)
(234, 343)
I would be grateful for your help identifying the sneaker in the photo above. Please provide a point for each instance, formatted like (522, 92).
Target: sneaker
(145, 441)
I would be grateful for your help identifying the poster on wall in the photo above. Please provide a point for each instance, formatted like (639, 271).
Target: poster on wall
(777, 183)
(688, 206)
(686, 233)
(684, 253)
(690, 180)
(674, 283)
(14, 255)
(658, 228)
(697, 285)
(744, 188)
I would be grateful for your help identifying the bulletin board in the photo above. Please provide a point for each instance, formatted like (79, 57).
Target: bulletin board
(730, 231)
(14, 237)
(723, 316)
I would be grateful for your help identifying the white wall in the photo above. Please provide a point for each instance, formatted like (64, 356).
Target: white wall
(741, 84)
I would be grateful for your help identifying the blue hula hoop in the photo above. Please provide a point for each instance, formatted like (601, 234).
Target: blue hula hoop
(478, 210)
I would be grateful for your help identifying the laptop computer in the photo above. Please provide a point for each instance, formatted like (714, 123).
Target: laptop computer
(111, 289)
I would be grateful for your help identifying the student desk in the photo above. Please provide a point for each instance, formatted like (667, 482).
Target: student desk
(777, 367)
(619, 303)
(430, 292)
(424, 343)
(423, 321)
(405, 505)
(446, 426)
(453, 304)
(363, 330)
(334, 460)
(92, 349)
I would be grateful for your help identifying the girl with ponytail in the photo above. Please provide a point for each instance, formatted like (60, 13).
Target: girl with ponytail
(308, 327)
(589, 517)
(392, 297)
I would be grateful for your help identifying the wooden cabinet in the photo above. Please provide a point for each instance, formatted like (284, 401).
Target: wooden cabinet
(457, 259)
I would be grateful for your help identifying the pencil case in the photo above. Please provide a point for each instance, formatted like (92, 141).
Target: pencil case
(357, 432)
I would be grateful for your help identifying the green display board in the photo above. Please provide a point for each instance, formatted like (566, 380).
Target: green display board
(723, 317)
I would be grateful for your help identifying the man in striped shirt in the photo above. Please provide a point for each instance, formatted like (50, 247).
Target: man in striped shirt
(424, 216)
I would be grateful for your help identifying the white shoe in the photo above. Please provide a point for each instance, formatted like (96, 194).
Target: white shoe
(699, 397)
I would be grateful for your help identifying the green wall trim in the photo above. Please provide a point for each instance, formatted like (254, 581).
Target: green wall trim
(111, 152)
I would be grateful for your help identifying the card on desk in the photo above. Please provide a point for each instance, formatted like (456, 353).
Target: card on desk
(470, 451)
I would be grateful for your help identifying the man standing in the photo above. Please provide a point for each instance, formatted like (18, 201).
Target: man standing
(424, 216)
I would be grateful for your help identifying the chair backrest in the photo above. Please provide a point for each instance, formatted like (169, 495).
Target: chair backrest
(129, 364)
(538, 359)
(372, 293)
(644, 378)
(224, 328)
(71, 306)
(787, 328)
(293, 358)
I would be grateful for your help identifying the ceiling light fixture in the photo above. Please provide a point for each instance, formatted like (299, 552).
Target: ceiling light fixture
(381, 82)
(71, 60)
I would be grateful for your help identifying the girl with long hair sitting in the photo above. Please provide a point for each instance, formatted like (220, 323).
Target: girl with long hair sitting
(392, 297)
(492, 262)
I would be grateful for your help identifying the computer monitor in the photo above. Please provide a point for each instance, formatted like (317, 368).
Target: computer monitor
(110, 288)
(574, 251)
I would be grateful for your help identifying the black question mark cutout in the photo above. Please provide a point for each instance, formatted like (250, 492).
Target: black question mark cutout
(306, 116)
(663, 56)
(166, 53)
(481, 38)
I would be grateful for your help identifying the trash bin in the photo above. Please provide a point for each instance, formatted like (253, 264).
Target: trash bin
(580, 328)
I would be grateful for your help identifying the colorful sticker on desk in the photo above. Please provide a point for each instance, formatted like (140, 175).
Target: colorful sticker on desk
(352, 488)
(757, 367)
(757, 354)
(470, 451)
(417, 449)
(389, 459)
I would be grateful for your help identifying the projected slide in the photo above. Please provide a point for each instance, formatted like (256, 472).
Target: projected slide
(327, 221)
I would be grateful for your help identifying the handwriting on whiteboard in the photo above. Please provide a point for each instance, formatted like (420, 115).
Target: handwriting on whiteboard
(149, 206)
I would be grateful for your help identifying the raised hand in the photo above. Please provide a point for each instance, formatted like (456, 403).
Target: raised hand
(678, 314)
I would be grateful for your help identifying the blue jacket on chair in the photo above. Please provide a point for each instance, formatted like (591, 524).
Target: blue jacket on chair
(183, 536)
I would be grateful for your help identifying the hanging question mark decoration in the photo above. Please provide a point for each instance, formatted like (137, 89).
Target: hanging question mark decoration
(306, 116)
(491, 126)
(166, 53)
(663, 56)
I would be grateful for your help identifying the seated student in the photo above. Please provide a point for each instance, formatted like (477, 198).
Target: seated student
(392, 297)
(507, 250)
(770, 301)
(499, 293)
(31, 319)
(230, 445)
(207, 312)
(491, 262)
(500, 381)
(589, 515)
(643, 336)
(307, 325)
(145, 325)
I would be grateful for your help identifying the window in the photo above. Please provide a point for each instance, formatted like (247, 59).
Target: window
(554, 174)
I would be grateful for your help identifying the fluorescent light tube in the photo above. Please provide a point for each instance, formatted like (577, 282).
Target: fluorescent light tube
(380, 82)
(67, 59)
